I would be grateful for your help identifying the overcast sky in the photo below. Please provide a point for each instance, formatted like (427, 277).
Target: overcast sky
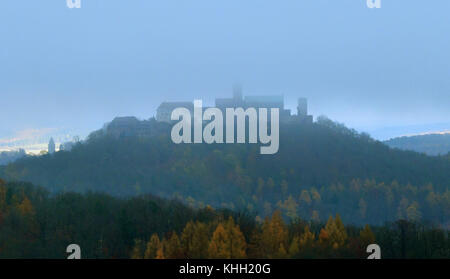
(79, 68)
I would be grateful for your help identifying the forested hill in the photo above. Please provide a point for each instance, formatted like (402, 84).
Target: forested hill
(320, 169)
(432, 144)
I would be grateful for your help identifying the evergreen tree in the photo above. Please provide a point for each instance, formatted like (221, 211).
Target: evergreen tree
(152, 247)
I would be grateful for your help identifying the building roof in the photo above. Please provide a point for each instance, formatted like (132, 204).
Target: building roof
(174, 105)
(265, 99)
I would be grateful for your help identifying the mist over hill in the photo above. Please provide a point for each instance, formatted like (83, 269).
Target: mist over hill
(7, 157)
(321, 168)
(431, 144)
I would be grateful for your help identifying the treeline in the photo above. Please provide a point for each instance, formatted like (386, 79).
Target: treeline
(274, 239)
(35, 224)
(320, 168)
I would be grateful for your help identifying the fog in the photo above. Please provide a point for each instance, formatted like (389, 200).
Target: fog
(368, 68)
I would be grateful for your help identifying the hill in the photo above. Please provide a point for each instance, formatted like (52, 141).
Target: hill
(431, 144)
(320, 169)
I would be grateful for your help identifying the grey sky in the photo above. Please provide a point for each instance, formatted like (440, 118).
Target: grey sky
(62, 68)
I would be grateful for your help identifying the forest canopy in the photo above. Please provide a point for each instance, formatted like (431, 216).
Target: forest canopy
(34, 224)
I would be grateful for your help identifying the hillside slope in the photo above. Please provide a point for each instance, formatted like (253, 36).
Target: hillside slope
(320, 169)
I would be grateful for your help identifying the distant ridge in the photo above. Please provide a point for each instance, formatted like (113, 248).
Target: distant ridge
(431, 143)
(391, 132)
(427, 133)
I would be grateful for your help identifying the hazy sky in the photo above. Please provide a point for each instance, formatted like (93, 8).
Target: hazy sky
(79, 68)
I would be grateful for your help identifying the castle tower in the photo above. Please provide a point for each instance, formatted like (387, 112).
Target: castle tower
(51, 146)
(237, 93)
(302, 107)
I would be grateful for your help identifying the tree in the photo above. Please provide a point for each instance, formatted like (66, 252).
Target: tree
(307, 238)
(282, 253)
(194, 240)
(25, 207)
(315, 217)
(218, 245)
(172, 247)
(306, 244)
(137, 252)
(366, 236)
(274, 235)
(324, 237)
(413, 213)
(294, 248)
(305, 198)
(402, 207)
(160, 253)
(152, 247)
(315, 195)
(336, 232)
(227, 242)
(289, 206)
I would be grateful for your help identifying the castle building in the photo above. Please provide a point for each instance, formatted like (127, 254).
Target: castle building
(164, 111)
(302, 111)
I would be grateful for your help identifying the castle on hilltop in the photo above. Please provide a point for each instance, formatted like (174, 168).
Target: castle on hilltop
(131, 126)
(164, 111)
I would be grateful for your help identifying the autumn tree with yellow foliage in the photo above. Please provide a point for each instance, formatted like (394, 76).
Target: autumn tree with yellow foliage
(194, 240)
(152, 247)
(337, 234)
(274, 238)
(227, 242)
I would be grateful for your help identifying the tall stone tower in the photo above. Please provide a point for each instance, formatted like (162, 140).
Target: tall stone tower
(302, 107)
(51, 146)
